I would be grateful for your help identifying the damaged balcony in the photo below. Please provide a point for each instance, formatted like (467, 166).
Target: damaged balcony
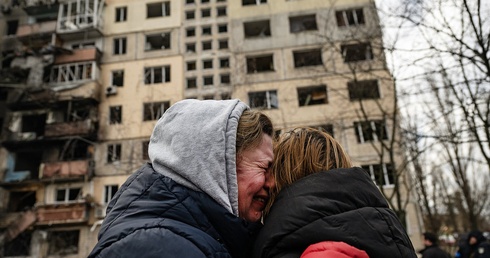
(80, 128)
(63, 213)
(42, 29)
(40, 7)
(80, 19)
(66, 170)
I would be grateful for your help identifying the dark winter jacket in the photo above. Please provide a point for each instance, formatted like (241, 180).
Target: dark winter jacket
(481, 249)
(337, 205)
(434, 251)
(152, 216)
(185, 204)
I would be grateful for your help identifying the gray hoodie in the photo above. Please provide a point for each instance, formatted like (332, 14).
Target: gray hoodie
(194, 142)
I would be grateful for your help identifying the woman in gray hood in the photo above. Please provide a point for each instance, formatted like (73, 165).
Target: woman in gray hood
(204, 190)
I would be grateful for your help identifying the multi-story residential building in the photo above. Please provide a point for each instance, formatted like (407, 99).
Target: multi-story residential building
(82, 83)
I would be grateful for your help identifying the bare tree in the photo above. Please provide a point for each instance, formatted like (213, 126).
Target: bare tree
(450, 70)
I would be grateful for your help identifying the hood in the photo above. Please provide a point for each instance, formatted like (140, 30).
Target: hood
(193, 143)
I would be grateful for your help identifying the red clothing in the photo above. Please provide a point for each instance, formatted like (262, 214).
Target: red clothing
(329, 249)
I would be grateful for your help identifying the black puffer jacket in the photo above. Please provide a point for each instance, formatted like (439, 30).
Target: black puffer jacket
(337, 205)
(152, 216)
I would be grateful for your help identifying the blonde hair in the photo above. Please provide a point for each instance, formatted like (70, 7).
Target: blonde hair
(251, 127)
(304, 151)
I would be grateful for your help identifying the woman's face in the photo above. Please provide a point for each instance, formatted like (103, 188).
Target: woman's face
(254, 179)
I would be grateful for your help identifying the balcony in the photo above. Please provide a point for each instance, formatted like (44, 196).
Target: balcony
(40, 7)
(79, 55)
(75, 24)
(66, 170)
(81, 128)
(37, 29)
(62, 213)
(16, 223)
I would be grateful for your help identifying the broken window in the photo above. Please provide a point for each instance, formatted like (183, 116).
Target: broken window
(328, 128)
(225, 78)
(160, 9)
(191, 66)
(109, 192)
(121, 13)
(304, 58)
(206, 30)
(21, 201)
(313, 95)
(157, 41)
(63, 242)
(28, 161)
(19, 246)
(369, 131)
(223, 44)
(191, 83)
(119, 46)
(224, 62)
(221, 11)
(204, 1)
(207, 64)
(253, 2)
(12, 27)
(381, 174)
(115, 115)
(263, 99)
(208, 80)
(118, 78)
(154, 110)
(351, 17)
(367, 89)
(33, 124)
(222, 28)
(257, 29)
(68, 194)
(205, 13)
(302, 23)
(190, 47)
(259, 64)
(113, 152)
(72, 72)
(144, 150)
(157, 74)
(190, 32)
(77, 15)
(190, 15)
(189, 1)
(357, 52)
(207, 45)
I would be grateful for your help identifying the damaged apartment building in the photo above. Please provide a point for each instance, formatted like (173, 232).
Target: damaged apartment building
(50, 87)
(83, 82)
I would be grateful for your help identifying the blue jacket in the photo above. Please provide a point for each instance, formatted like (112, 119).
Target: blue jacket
(152, 216)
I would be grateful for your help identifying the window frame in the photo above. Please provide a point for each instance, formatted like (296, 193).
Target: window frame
(363, 90)
(269, 98)
(151, 7)
(152, 111)
(367, 131)
(115, 114)
(357, 52)
(300, 20)
(121, 14)
(343, 21)
(300, 57)
(114, 152)
(119, 46)
(150, 74)
(312, 90)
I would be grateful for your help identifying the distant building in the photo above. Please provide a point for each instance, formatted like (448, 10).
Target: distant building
(82, 83)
